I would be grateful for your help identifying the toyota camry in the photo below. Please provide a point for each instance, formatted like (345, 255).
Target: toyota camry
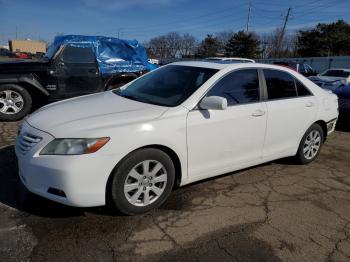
(181, 123)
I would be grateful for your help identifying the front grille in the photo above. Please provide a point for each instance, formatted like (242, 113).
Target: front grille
(27, 141)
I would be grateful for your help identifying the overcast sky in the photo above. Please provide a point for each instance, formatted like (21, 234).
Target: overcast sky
(144, 19)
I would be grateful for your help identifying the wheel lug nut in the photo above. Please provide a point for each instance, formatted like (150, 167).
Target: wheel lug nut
(144, 188)
(144, 177)
(150, 184)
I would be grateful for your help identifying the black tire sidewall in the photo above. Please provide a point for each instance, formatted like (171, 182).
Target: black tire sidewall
(300, 155)
(121, 171)
(27, 99)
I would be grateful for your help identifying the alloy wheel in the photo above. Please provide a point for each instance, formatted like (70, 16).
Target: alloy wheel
(312, 144)
(11, 102)
(145, 183)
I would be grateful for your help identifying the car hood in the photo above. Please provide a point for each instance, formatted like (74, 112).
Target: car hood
(22, 66)
(83, 116)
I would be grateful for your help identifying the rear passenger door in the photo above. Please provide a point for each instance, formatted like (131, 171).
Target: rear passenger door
(291, 110)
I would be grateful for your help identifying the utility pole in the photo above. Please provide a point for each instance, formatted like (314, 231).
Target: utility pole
(120, 31)
(248, 18)
(286, 18)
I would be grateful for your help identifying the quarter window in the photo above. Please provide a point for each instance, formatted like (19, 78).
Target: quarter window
(238, 87)
(302, 90)
(279, 84)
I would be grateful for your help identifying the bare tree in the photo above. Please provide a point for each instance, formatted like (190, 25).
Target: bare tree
(171, 45)
(272, 47)
(223, 38)
(173, 40)
(187, 45)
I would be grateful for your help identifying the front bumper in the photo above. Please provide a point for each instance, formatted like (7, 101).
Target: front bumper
(78, 180)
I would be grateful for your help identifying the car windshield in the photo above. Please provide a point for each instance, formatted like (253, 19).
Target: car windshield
(51, 51)
(168, 86)
(336, 73)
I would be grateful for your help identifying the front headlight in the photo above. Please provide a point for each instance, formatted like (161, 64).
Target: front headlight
(74, 146)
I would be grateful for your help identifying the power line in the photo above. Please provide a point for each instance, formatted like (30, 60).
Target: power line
(177, 21)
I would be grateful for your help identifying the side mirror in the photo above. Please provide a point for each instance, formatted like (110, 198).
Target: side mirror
(213, 102)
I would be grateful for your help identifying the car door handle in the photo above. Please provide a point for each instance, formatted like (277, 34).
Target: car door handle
(258, 113)
(309, 104)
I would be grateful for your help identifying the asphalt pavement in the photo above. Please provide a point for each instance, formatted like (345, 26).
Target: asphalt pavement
(273, 212)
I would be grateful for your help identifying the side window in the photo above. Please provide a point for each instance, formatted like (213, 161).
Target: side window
(279, 84)
(302, 90)
(238, 87)
(72, 54)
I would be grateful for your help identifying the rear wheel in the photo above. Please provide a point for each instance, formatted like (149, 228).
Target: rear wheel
(143, 181)
(310, 145)
(15, 102)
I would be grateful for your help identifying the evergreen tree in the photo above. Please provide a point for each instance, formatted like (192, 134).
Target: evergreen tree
(243, 44)
(209, 47)
(325, 40)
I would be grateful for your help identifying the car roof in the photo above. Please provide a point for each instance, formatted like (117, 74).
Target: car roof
(218, 66)
(230, 58)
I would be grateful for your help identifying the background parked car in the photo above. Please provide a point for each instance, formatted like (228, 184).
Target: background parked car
(332, 78)
(73, 66)
(22, 55)
(302, 68)
(6, 52)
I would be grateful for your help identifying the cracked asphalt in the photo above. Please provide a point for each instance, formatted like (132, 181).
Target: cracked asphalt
(273, 212)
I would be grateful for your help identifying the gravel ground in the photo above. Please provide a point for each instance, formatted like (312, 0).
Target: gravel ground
(274, 212)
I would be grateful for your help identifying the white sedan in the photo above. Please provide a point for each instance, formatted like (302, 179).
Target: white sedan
(181, 123)
(332, 78)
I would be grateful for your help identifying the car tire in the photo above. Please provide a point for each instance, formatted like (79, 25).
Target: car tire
(142, 181)
(15, 102)
(310, 145)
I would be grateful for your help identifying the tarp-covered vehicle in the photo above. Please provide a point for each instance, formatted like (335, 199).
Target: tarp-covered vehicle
(73, 65)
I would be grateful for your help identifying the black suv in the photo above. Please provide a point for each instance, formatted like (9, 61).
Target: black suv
(68, 70)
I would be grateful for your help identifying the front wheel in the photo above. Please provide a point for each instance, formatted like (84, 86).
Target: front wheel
(15, 102)
(142, 181)
(310, 145)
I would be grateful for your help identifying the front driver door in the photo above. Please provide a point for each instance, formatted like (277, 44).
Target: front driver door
(77, 71)
(223, 140)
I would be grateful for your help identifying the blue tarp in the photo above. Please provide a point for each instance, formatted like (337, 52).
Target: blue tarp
(113, 54)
